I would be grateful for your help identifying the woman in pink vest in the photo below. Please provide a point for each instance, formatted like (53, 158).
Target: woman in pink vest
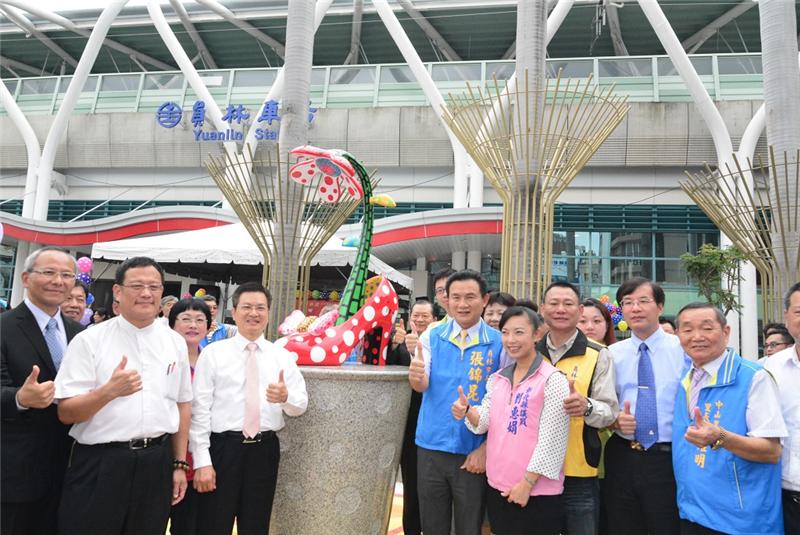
(528, 430)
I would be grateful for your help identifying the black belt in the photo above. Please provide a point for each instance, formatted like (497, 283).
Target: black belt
(133, 444)
(263, 435)
(658, 447)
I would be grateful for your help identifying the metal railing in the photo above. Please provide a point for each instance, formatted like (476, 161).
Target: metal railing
(641, 78)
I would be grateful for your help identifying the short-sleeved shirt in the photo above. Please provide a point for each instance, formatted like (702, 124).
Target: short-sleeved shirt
(160, 356)
(785, 368)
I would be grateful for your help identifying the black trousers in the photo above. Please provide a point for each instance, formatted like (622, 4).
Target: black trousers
(542, 514)
(640, 490)
(791, 511)
(110, 490)
(183, 517)
(246, 479)
(408, 467)
(31, 518)
(692, 528)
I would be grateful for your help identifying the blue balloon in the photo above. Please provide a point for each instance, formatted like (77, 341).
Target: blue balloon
(89, 299)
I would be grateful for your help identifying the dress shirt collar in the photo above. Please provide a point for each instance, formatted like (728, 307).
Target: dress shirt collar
(711, 368)
(241, 342)
(651, 341)
(786, 357)
(127, 326)
(565, 346)
(455, 331)
(42, 318)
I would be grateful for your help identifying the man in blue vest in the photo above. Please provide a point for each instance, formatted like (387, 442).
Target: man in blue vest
(726, 434)
(461, 352)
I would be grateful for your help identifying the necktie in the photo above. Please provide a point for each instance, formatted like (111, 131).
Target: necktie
(252, 403)
(464, 336)
(694, 390)
(54, 342)
(646, 408)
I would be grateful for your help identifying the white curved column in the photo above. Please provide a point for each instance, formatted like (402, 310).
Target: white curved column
(276, 89)
(31, 147)
(59, 126)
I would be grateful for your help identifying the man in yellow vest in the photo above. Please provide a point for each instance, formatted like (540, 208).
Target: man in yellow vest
(592, 403)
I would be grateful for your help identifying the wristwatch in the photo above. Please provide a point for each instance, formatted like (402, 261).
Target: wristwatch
(717, 444)
(589, 407)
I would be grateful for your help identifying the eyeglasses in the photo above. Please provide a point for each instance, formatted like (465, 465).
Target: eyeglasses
(261, 309)
(773, 345)
(139, 288)
(187, 320)
(440, 291)
(644, 301)
(51, 274)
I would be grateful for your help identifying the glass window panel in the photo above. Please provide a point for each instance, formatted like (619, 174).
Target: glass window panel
(671, 272)
(702, 64)
(352, 75)
(120, 82)
(260, 78)
(630, 244)
(502, 71)
(215, 79)
(11, 84)
(580, 68)
(318, 76)
(616, 68)
(89, 86)
(622, 270)
(674, 244)
(460, 72)
(164, 81)
(38, 86)
(739, 64)
(397, 74)
(567, 269)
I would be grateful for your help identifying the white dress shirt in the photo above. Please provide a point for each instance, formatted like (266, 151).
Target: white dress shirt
(762, 398)
(785, 368)
(42, 319)
(219, 391)
(455, 334)
(160, 356)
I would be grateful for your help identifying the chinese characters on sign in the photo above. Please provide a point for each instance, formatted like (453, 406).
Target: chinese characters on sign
(170, 114)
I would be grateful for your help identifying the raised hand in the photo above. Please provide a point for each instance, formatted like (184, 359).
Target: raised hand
(412, 338)
(123, 382)
(399, 333)
(460, 405)
(416, 370)
(35, 395)
(702, 432)
(277, 392)
(626, 421)
(575, 404)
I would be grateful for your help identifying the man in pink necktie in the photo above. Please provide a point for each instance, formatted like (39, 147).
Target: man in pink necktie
(243, 386)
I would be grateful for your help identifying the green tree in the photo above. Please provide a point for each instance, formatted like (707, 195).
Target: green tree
(716, 273)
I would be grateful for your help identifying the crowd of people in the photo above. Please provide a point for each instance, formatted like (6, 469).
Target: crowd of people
(523, 418)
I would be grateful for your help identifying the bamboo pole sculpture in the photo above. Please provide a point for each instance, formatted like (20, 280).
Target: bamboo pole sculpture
(530, 165)
(764, 225)
(256, 192)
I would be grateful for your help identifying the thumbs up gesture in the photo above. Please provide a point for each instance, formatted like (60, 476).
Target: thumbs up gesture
(412, 338)
(33, 394)
(702, 432)
(123, 382)
(460, 405)
(626, 421)
(399, 333)
(416, 371)
(575, 404)
(277, 392)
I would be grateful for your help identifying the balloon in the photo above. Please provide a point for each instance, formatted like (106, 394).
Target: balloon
(315, 294)
(200, 293)
(334, 296)
(87, 316)
(84, 278)
(623, 326)
(604, 299)
(85, 264)
(186, 295)
(89, 299)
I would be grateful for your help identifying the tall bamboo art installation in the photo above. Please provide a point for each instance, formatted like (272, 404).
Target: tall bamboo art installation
(531, 164)
(746, 205)
(259, 196)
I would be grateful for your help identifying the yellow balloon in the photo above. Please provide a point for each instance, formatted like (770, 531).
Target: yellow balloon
(200, 293)
(622, 325)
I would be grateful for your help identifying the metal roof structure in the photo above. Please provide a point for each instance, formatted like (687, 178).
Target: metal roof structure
(239, 34)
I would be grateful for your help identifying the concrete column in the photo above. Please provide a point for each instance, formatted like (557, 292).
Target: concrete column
(17, 290)
(420, 278)
(474, 260)
(459, 260)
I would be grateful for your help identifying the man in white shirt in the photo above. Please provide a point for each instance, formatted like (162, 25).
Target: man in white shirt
(242, 387)
(125, 385)
(785, 368)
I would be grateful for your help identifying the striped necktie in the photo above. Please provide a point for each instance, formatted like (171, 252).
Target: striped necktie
(646, 408)
(54, 342)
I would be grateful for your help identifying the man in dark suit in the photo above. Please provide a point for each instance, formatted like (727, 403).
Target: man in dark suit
(34, 444)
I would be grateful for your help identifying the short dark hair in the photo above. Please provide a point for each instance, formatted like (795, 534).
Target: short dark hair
(442, 274)
(422, 302)
(514, 311)
(702, 306)
(467, 275)
(662, 320)
(562, 284)
(787, 300)
(82, 285)
(783, 333)
(527, 303)
(190, 303)
(208, 298)
(772, 326)
(136, 262)
(501, 298)
(633, 284)
(102, 311)
(248, 287)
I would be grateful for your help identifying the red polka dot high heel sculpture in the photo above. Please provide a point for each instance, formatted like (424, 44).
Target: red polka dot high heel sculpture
(371, 326)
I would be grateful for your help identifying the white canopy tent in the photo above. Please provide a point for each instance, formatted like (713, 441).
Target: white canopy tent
(220, 252)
